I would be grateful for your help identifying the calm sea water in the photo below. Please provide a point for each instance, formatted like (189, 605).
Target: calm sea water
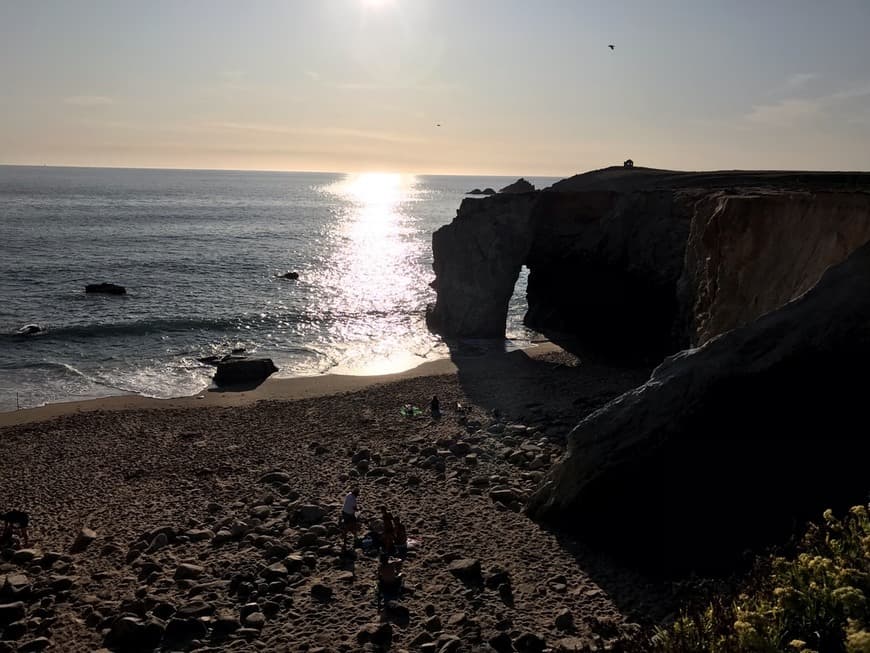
(198, 252)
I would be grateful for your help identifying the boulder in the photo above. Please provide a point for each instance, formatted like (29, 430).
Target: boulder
(83, 540)
(288, 275)
(729, 445)
(467, 570)
(519, 186)
(29, 330)
(105, 289)
(244, 371)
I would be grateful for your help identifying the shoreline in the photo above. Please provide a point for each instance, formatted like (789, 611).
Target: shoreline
(272, 389)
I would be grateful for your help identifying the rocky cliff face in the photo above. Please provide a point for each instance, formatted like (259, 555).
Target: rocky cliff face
(750, 253)
(640, 263)
(602, 265)
(732, 444)
(477, 260)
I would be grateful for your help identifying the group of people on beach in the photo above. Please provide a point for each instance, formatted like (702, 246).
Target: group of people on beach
(388, 536)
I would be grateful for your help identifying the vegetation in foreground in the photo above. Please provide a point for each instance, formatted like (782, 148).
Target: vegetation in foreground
(815, 602)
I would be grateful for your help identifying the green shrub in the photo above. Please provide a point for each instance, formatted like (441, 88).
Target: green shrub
(818, 601)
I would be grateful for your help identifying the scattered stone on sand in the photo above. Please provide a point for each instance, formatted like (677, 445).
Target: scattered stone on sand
(83, 540)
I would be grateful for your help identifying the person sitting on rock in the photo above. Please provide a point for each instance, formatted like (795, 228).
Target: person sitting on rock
(388, 537)
(435, 407)
(389, 577)
(348, 523)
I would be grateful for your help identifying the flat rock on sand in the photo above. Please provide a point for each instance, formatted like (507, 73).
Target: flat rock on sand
(218, 525)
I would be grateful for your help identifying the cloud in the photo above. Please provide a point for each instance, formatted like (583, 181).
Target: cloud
(785, 113)
(791, 111)
(799, 80)
(88, 100)
(317, 131)
(312, 75)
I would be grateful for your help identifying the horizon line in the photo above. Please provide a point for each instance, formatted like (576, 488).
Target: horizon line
(325, 172)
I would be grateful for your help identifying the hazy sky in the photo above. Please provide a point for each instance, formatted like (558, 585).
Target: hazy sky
(519, 87)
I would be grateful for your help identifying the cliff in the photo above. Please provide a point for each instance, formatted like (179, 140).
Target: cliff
(732, 444)
(638, 263)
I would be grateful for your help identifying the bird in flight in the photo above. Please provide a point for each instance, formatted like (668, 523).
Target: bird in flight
(611, 46)
(437, 124)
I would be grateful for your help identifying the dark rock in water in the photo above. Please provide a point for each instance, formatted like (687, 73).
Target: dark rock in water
(288, 275)
(519, 186)
(215, 359)
(244, 371)
(105, 289)
(476, 191)
(29, 330)
(729, 446)
(488, 191)
(237, 350)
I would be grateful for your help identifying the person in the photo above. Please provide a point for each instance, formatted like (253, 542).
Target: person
(349, 522)
(388, 537)
(435, 407)
(15, 520)
(401, 537)
(389, 577)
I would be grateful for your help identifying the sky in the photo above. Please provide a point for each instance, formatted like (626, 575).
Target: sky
(517, 87)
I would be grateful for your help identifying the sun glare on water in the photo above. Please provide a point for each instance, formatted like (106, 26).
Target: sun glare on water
(373, 274)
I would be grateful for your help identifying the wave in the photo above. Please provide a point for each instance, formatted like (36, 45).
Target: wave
(187, 325)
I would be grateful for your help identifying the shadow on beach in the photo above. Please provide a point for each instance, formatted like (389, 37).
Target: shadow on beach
(554, 391)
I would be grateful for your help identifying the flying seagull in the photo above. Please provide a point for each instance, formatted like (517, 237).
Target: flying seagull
(437, 124)
(611, 46)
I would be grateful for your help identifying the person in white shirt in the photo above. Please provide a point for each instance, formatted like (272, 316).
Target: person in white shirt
(349, 522)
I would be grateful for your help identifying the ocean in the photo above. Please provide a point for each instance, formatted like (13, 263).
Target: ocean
(199, 253)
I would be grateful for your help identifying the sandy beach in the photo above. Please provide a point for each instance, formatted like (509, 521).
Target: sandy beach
(215, 515)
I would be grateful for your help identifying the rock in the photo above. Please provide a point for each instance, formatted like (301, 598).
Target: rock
(501, 643)
(195, 609)
(276, 571)
(25, 556)
(422, 638)
(433, 624)
(476, 191)
(105, 289)
(519, 186)
(179, 630)
(199, 534)
(288, 275)
(310, 514)
(160, 540)
(275, 478)
(451, 645)
(15, 586)
(564, 620)
(38, 644)
(679, 438)
(255, 620)
(529, 643)
(244, 372)
(10, 612)
(188, 571)
(575, 645)
(488, 191)
(29, 330)
(503, 495)
(467, 570)
(83, 540)
(124, 634)
(321, 592)
(379, 635)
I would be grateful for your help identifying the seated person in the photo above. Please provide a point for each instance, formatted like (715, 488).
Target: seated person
(389, 534)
